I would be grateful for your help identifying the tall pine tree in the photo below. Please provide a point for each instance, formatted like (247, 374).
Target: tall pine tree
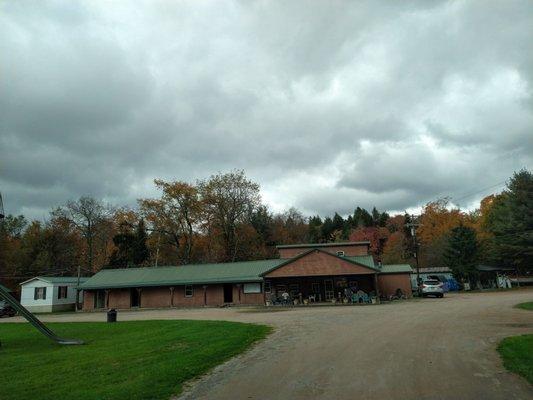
(511, 221)
(461, 253)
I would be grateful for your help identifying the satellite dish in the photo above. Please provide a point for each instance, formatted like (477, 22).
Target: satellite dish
(2, 215)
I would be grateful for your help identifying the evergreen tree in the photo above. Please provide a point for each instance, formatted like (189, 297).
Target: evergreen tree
(261, 220)
(362, 218)
(122, 254)
(383, 219)
(130, 246)
(461, 253)
(338, 222)
(350, 222)
(327, 230)
(315, 229)
(375, 216)
(511, 221)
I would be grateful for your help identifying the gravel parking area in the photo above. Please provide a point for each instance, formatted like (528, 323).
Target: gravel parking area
(423, 349)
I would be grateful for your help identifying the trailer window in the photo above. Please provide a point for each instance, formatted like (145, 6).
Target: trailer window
(62, 292)
(39, 293)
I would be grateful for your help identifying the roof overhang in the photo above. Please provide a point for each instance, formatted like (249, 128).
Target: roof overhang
(33, 279)
(251, 279)
(318, 245)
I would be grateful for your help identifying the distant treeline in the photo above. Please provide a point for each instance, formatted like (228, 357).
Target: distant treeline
(222, 219)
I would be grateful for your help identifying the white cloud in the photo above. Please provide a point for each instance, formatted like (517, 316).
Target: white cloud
(326, 106)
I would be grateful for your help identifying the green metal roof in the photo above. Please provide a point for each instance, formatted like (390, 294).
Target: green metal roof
(365, 260)
(315, 245)
(396, 268)
(245, 271)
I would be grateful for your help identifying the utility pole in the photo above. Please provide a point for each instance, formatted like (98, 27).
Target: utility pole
(413, 225)
(2, 216)
(157, 249)
(78, 289)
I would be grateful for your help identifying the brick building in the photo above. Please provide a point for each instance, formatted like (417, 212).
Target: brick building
(317, 271)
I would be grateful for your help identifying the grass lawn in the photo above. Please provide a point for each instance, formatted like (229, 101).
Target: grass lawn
(517, 355)
(525, 306)
(126, 360)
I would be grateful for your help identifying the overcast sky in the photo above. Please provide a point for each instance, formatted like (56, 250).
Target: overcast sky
(328, 105)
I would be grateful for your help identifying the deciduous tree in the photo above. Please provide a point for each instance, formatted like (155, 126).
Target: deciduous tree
(228, 200)
(89, 216)
(175, 215)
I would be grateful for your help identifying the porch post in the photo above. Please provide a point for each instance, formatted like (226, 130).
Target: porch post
(172, 296)
(107, 299)
(205, 295)
(376, 287)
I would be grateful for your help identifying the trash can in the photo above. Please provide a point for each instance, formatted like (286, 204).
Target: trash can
(112, 315)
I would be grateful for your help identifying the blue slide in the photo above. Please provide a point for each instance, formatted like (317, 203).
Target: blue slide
(33, 320)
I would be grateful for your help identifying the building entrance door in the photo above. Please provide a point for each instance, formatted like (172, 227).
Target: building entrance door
(99, 299)
(228, 293)
(328, 289)
(135, 298)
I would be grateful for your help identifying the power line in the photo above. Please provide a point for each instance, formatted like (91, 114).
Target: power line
(479, 191)
(433, 198)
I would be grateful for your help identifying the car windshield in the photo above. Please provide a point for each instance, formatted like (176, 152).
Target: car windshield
(431, 282)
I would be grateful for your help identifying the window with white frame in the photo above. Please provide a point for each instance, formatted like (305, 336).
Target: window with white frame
(189, 291)
(268, 287)
(62, 292)
(39, 293)
(251, 288)
(340, 253)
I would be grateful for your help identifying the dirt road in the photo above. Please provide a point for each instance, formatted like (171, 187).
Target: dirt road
(428, 349)
(420, 349)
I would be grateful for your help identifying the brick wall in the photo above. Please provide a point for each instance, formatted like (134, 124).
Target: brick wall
(318, 264)
(388, 284)
(239, 297)
(214, 296)
(119, 298)
(155, 297)
(159, 297)
(88, 299)
(349, 250)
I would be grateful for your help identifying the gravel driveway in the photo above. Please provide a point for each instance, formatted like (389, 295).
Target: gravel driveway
(419, 349)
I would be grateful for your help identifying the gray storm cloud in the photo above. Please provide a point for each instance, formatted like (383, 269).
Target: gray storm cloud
(326, 105)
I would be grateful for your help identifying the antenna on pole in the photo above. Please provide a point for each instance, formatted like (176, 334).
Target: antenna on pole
(2, 215)
(414, 225)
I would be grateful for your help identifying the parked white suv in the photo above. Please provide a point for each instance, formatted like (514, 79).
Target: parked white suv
(432, 288)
